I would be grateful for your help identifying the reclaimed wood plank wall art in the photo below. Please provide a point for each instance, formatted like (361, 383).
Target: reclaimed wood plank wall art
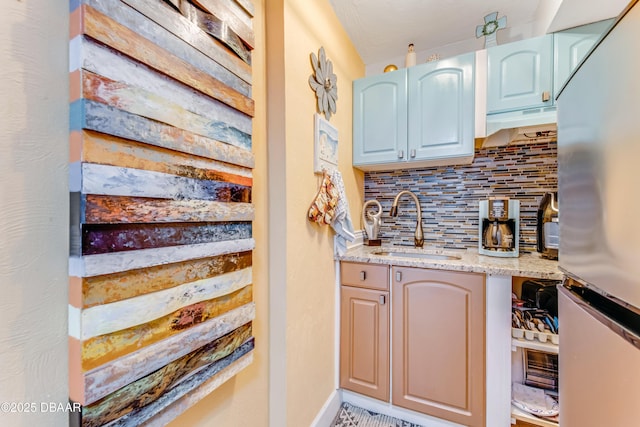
(160, 288)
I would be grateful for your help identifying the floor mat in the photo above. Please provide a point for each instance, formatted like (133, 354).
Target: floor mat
(353, 416)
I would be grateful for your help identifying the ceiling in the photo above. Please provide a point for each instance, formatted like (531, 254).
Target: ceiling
(382, 29)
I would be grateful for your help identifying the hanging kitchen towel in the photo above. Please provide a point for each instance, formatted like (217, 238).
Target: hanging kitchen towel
(323, 207)
(341, 222)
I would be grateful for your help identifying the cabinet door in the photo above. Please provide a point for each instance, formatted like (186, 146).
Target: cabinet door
(519, 74)
(571, 46)
(364, 342)
(438, 343)
(441, 108)
(380, 118)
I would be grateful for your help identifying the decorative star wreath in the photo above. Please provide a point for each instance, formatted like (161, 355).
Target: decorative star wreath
(324, 83)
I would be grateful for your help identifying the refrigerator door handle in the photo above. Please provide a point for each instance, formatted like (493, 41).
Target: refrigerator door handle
(566, 289)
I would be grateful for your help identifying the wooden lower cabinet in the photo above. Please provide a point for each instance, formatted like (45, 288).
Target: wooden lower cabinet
(438, 342)
(364, 341)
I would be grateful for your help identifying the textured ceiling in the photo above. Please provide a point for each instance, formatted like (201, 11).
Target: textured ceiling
(382, 29)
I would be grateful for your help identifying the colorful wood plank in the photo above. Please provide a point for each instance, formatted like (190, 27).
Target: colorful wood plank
(107, 348)
(105, 238)
(221, 10)
(146, 390)
(99, 59)
(216, 28)
(174, 3)
(178, 406)
(147, 29)
(116, 181)
(107, 31)
(160, 289)
(139, 416)
(241, 12)
(184, 29)
(107, 318)
(92, 385)
(103, 289)
(85, 114)
(150, 105)
(113, 209)
(94, 265)
(247, 6)
(93, 147)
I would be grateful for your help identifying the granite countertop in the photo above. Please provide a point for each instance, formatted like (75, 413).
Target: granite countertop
(526, 265)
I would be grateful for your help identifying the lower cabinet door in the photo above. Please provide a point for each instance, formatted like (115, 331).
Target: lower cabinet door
(438, 344)
(364, 342)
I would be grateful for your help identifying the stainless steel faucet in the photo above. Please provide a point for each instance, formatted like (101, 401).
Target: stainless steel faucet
(418, 236)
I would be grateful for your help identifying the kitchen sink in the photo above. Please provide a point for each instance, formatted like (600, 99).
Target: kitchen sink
(420, 255)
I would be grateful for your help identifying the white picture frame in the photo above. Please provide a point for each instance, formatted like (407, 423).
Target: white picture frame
(325, 153)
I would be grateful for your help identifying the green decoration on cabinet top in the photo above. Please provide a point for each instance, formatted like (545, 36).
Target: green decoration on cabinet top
(490, 27)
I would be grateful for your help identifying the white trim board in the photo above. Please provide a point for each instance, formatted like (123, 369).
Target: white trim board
(328, 411)
(498, 350)
(336, 327)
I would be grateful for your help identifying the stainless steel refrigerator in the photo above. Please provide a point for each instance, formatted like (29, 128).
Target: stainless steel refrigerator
(599, 201)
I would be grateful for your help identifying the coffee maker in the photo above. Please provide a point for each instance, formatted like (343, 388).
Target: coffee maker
(499, 227)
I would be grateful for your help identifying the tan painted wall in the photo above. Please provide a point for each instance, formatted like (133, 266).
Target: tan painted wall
(34, 224)
(310, 272)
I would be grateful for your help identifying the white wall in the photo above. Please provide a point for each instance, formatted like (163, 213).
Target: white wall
(34, 213)
(551, 16)
(572, 13)
(521, 32)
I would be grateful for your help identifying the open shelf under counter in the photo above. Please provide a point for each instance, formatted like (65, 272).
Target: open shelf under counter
(518, 414)
(535, 343)
(547, 347)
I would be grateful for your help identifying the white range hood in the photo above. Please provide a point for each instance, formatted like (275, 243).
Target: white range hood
(521, 135)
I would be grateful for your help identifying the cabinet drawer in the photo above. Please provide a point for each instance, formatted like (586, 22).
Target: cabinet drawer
(362, 275)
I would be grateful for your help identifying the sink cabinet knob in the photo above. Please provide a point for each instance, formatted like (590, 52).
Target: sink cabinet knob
(363, 276)
(398, 276)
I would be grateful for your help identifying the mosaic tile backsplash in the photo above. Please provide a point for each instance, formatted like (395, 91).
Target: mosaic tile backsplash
(449, 195)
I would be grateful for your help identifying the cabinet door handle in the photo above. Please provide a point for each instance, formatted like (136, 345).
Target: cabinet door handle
(546, 96)
(382, 300)
(363, 276)
(398, 276)
(401, 154)
(413, 153)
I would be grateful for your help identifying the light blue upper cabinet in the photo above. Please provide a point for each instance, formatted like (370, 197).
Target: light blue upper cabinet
(420, 116)
(520, 75)
(572, 45)
(441, 109)
(380, 118)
